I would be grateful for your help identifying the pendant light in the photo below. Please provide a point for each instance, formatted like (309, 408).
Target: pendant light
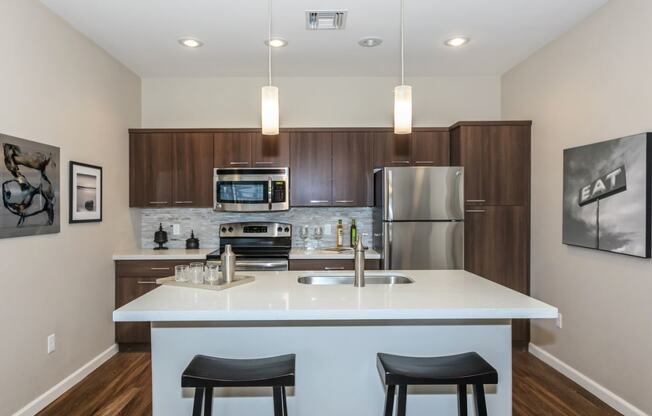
(269, 93)
(402, 96)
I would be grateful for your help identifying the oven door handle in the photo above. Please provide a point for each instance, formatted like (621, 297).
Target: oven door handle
(245, 265)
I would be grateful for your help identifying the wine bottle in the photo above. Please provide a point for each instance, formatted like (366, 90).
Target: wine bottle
(354, 233)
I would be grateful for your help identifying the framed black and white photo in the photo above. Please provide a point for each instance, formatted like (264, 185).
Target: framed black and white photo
(85, 193)
(29, 178)
(607, 195)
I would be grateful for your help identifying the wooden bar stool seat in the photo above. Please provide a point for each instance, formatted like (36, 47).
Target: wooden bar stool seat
(461, 370)
(205, 373)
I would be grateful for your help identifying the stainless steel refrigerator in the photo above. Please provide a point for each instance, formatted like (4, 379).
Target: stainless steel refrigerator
(419, 217)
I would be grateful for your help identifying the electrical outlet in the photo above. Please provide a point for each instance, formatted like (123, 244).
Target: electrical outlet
(559, 322)
(52, 343)
(327, 229)
(176, 229)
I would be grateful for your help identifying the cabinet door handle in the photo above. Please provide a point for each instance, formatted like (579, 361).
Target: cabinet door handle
(401, 161)
(239, 163)
(319, 201)
(475, 200)
(425, 161)
(475, 211)
(334, 268)
(159, 268)
(263, 163)
(157, 202)
(183, 202)
(143, 282)
(345, 201)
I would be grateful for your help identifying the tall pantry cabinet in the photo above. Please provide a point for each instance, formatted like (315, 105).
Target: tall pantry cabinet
(496, 160)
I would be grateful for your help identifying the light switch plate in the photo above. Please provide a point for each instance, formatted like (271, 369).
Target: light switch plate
(327, 229)
(52, 343)
(176, 229)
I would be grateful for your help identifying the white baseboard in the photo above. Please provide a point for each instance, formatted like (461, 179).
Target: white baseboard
(612, 399)
(55, 392)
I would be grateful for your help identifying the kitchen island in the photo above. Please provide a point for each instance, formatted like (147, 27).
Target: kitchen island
(335, 331)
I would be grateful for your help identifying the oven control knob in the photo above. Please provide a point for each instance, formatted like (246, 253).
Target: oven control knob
(230, 229)
(287, 229)
(279, 229)
(223, 229)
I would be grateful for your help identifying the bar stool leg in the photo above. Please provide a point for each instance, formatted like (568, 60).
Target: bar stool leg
(461, 400)
(389, 400)
(402, 400)
(480, 403)
(196, 407)
(278, 402)
(208, 401)
(285, 403)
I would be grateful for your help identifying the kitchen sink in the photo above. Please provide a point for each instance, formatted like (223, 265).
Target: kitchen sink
(347, 279)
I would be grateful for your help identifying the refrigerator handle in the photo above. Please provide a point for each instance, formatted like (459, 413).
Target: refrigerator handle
(387, 243)
(390, 195)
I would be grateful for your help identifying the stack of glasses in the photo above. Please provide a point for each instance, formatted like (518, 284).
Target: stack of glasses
(198, 273)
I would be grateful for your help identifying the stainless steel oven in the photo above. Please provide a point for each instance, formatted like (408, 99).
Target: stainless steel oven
(251, 189)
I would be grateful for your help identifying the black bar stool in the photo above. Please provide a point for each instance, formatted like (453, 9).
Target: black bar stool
(460, 370)
(205, 373)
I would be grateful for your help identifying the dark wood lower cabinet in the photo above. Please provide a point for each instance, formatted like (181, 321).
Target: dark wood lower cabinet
(496, 247)
(133, 280)
(330, 265)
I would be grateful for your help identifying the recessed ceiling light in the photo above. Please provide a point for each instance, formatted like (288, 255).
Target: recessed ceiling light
(370, 42)
(191, 42)
(276, 42)
(457, 41)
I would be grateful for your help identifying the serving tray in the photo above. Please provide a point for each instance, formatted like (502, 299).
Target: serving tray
(237, 281)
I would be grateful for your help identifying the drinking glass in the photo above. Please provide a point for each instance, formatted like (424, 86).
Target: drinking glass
(212, 273)
(197, 273)
(318, 233)
(303, 233)
(181, 273)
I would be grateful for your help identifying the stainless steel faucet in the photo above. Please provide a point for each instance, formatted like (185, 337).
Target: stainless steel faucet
(359, 280)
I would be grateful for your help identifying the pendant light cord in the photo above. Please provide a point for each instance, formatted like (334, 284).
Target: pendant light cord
(269, 42)
(402, 54)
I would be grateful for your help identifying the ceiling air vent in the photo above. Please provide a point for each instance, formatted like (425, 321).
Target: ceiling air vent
(325, 19)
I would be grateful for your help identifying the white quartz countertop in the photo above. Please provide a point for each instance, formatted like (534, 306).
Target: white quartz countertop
(277, 296)
(200, 254)
(170, 254)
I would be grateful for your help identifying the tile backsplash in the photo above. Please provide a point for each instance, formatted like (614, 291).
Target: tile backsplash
(205, 222)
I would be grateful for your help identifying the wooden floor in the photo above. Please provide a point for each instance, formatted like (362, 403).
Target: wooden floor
(122, 387)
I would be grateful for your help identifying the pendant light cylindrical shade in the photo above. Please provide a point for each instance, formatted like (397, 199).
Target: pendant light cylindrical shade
(269, 109)
(403, 109)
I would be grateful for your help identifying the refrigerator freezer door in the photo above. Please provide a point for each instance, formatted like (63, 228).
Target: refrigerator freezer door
(423, 193)
(423, 245)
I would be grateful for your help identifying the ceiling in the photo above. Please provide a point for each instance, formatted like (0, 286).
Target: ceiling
(143, 35)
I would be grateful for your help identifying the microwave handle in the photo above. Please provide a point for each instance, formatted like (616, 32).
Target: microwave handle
(269, 192)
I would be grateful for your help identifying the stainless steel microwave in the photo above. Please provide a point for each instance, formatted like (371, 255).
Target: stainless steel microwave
(251, 189)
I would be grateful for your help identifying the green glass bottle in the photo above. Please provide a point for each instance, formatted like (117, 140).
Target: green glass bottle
(354, 233)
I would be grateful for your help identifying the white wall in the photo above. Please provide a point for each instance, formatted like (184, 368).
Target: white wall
(57, 87)
(316, 102)
(592, 84)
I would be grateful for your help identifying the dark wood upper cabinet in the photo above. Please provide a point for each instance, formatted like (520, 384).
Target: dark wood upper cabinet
(496, 162)
(232, 149)
(430, 148)
(352, 169)
(311, 168)
(391, 149)
(150, 170)
(506, 165)
(270, 151)
(192, 179)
